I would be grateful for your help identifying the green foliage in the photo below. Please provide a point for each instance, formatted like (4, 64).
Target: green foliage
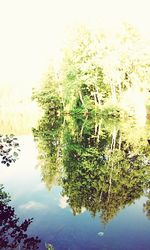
(4, 197)
(104, 162)
(80, 74)
(102, 165)
(103, 171)
(99, 70)
(48, 138)
(48, 96)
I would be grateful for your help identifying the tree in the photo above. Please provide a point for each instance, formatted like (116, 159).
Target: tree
(100, 71)
(12, 233)
(99, 68)
(48, 95)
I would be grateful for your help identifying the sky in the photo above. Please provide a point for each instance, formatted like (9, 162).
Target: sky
(33, 31)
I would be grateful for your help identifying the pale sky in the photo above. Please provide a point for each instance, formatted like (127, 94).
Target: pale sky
(32, 31)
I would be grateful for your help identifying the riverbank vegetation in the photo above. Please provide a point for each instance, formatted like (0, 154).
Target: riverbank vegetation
(101, 73)
(85, 144)
(18, 114)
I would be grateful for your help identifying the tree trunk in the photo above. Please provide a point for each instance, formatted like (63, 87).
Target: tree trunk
(81, 98)
(114, 135)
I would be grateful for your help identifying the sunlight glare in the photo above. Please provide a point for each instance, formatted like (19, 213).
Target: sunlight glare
(32, 32)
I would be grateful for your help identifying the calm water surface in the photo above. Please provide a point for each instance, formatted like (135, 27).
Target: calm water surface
(84, 183)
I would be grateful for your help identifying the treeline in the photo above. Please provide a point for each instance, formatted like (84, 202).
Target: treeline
(100, 72)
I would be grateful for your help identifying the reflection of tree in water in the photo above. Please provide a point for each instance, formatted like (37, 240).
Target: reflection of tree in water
(9, 148)
(105, 164)
(146, 206)
(105, 169)
(13, 234)
(48, 137)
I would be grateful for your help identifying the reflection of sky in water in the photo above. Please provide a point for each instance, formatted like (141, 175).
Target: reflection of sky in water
(53, 219)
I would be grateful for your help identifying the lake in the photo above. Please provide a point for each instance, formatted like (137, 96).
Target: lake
(84, 181)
